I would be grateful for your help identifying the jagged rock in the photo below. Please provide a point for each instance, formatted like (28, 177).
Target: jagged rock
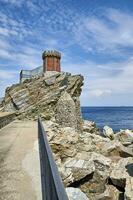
(64, 142)
(92, 179)
(129, 187)
(91, 142)
(125, 137)
(76, 194)
(50, 80)
(98, 166)
(80, 169)
(89, 126)
(115, 148)
(96, 183)
(105, 146)
(66, 111)
(111, 193)
(39, 96)
(121, 172)
(108, 132)
(101, 162)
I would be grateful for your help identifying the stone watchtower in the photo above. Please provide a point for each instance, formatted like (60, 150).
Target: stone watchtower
(51, 61)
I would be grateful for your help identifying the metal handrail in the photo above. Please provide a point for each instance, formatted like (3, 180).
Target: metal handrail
(52, 186)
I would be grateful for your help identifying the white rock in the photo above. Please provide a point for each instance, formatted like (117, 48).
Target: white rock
(89, 126)
(79, 168)
(129, 189)
(108, 132)
(76, 194)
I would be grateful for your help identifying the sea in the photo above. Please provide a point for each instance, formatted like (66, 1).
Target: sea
(115, 117)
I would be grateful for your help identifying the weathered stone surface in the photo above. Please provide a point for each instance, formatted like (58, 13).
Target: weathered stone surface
(99, 166)
(76, 194)
(96, 183)
(121, 172)
(125, 137)
(89, 126)
(115, 148)
(129, 187)
(39, 96)
(108, 132)
(111, 193)
(66, 111)
(50, 81)
(87, 160)
(79, 168)
(64, 143)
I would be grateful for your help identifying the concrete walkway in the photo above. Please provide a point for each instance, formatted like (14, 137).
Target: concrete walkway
(19, 162)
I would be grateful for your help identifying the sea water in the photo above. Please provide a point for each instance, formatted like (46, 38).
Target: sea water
(115, 117)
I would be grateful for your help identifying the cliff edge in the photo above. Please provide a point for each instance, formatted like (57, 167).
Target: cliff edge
(54, 96)
(93, 165)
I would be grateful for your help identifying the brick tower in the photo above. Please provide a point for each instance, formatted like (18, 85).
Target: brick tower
(51, 61)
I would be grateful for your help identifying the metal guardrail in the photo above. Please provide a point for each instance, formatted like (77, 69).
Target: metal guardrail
(52, 186)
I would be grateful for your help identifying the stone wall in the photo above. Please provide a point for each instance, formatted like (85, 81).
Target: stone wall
(6, 119)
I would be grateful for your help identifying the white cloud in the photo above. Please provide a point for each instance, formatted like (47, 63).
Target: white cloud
(102, 81)
(7, 32)
(4, 74)
(99, 93)
(110, 32)
(121, 84)
(13, 2)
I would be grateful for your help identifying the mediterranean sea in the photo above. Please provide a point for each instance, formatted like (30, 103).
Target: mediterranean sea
(115, 117)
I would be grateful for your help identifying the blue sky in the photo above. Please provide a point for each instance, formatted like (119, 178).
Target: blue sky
(95, 38)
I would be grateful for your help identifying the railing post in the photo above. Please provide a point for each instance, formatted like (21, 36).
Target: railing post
(52, 186)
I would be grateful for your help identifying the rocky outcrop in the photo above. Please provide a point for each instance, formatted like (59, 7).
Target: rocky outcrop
(93, 165)
(47, 96)
(101, 168)
(66, 111)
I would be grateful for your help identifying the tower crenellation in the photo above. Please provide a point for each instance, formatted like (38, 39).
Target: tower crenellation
(51, 61)
(52, 53)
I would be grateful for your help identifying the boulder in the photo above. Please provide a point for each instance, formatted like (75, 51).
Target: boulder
(122, 172)
(92, 142)
(66, 111)
(125, 137)
(95, 142)
(62, 140)
(129, 188)
(86, 160)
(111, 193)
(108, 132)
(94, 181)
(79, 169)
(115, 148)
(89, 126)
(76, 194)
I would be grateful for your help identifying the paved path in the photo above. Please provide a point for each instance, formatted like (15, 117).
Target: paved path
(19, 162)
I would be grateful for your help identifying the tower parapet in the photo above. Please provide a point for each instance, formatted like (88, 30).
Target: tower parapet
(51, 61)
